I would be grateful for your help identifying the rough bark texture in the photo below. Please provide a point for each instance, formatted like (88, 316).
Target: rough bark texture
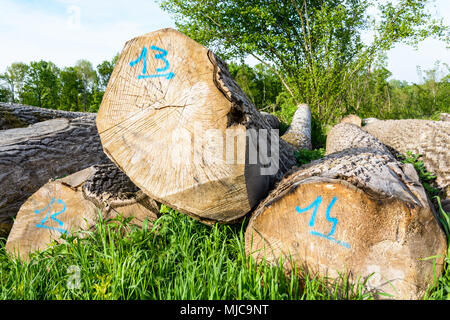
(429, 138)
(299, 131)
(358, 211)
(14, 115)
(72, 204)
(169, 119)
(30, 156)
(444, 116)
(273, 121)
(348, 135)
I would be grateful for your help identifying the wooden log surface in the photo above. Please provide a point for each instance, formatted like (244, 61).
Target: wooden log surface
(299, 132)
(429, 138)
(30, 156)
(13, 115)
(72, 204)
(273, 121)
(356, 211)
(444, 116)
(179, 126)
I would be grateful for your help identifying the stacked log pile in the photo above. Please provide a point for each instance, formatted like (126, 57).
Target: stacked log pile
(174, 128)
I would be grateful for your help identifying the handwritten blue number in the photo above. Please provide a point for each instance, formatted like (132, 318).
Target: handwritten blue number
(334, 221)
(160, 56)
(52, 216)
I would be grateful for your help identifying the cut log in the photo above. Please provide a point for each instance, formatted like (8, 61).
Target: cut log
(348, 135)
(179, 126)
(353, 119)
(444, 116)
(369, 120)
(299, 132)
(72, 204)
(30, 156)
(273, 121)
(358, 212)
(14, 115)
(429, 138)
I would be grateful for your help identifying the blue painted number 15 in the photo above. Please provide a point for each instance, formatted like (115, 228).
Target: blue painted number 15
(159, 56)
(312, 221)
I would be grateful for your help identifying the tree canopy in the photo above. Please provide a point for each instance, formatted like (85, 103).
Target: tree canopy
(315, 47)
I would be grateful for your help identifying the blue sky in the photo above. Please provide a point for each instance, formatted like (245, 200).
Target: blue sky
(64, 31)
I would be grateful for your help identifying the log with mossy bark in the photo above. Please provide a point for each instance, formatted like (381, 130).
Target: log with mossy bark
(76, 203)
(30, 156)
(173, 119)
(357, 212)
(13, 115)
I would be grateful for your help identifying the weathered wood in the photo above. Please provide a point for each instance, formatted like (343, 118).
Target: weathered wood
(357, 211)
(429, 138)
(273, 121)
(353, 119)
(73, 203)
(169, 119)
(369, 120)
(299, 131)
(444, 116)
(14, 115)
(348, 135)
(30, 156)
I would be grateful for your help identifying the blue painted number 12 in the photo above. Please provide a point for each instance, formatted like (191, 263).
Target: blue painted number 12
(312, 221)
(159, 56)
(48, 209)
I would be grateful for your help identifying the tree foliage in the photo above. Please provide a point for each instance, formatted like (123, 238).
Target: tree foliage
(43, 84)
(315, 47)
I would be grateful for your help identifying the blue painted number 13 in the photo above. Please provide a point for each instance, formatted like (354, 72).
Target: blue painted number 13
(160, 56)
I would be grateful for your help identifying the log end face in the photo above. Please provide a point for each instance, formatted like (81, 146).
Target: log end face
(331, 226)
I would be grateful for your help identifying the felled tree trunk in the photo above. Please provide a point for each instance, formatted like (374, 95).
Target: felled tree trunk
(353, 119)
(73, 203)
(429, 138)
(14, 115)
(444, 116)
(179, 126)
(30, 156)
(349, 135)
(299, 132)
(357, 211)
(273, 121)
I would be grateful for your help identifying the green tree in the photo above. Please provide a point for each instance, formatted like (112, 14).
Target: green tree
(315, 47)
(41, 85)
(88, 78)
(104, 71)
(14, 80)
(71, 88)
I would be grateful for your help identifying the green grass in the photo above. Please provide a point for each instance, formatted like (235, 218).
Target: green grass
(176, 258)
(179, 258)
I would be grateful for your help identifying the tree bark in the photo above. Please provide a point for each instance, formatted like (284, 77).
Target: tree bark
(299, 132)
(444, 116)
(72, 204)
(18, 116)
(357, 211)
(429, 138)
(170, 118)
(30, 156)
(273, 121)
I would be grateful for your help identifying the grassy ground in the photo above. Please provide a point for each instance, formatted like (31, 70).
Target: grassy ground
(178, 258)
